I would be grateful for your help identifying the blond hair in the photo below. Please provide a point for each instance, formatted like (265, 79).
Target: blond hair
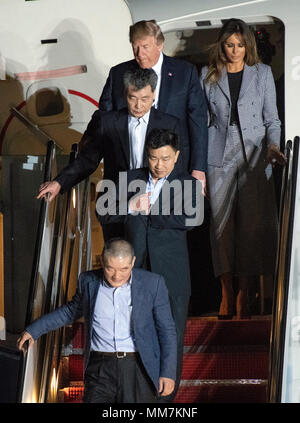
(143, 29)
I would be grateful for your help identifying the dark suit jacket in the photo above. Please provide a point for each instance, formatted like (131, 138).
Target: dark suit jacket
(159, 240)
(180, 95)
(153, 326)
(107, 138)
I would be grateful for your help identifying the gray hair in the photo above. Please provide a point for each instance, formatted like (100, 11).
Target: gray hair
(140, 78)
(117, 247)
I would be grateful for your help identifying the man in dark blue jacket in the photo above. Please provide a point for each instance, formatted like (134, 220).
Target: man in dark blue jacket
(178, 92)
(169, 202)
(130, 336)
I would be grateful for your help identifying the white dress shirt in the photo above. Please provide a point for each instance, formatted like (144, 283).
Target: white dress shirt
(137, 128)
(154, 188)
(157, 70)
(112, 319)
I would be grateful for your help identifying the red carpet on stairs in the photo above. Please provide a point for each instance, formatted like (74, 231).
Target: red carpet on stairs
(224, 362)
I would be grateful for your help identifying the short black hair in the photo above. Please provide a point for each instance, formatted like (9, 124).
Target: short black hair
(158, 138)
(140, 78)
(117, 247)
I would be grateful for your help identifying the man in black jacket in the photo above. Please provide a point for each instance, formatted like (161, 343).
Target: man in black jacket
(178, 92)
(169, 203)
(117, 137)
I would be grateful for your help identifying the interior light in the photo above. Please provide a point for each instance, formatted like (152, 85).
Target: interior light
(53, 387)
(74, 197)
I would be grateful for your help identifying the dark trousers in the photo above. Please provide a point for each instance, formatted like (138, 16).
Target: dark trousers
(112, 230)
(117, 380)
(179, 308)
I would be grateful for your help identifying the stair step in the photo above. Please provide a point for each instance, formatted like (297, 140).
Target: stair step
(224, 361)
(220, 391)
(72, 394)
(229, 365)
(198, 391)
(76, 363)
(200, 331)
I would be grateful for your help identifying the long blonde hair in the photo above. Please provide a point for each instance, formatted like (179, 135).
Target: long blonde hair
(217, 57)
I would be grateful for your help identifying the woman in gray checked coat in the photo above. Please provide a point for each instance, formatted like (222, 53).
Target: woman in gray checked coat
(243, 145)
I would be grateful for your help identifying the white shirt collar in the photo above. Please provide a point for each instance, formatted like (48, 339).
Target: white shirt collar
(158, 65)
(108, 285)
(150, 179)
(144, 118)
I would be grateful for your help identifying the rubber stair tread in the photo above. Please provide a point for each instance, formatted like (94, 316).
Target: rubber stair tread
(222, 394)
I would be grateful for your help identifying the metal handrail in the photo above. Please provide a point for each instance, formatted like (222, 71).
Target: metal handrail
(58, 272)
(62, 269)
(59, 297)
(282, 273)
(47, 177)
(66, 258)
(30, 302)
(33, 127)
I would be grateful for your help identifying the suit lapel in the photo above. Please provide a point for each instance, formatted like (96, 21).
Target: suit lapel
(93, 291)
(136, 297)
(153, 118)
(223, 84)
(143, 174)
(248, 76)
(159, 205)
(167, 81)
(122, 129)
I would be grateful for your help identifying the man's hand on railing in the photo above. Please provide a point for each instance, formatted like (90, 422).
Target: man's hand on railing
(24, 337)
(51, 188)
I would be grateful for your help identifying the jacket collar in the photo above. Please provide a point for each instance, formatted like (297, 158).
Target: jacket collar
(167, 79)
(136, 292)
(122, 128)
(248, 75)
(224, 85)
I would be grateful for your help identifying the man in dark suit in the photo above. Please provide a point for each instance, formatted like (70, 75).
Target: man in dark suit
(158, 217)
(117, 136)
(178, 92)
(130, 345)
